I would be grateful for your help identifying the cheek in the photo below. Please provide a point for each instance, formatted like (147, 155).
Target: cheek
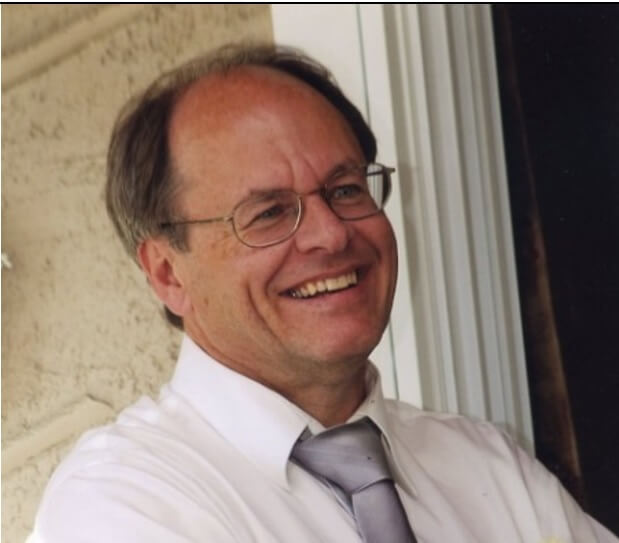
(243, 275)
(383, 240)
(386, 245)
(260, 271)
(389, 239)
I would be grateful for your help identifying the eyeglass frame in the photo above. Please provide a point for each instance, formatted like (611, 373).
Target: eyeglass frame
(385, 170)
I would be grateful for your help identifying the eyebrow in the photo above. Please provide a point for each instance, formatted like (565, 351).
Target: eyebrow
(342, 166)
(338, 168)
(253, 193)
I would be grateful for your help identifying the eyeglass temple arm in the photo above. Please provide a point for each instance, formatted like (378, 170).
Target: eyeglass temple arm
(227, 218)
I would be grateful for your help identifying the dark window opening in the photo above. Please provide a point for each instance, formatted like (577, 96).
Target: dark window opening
(559, 81)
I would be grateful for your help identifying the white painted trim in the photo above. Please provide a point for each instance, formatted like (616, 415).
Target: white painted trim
(419, 200)
(465, 289)
(380, 114)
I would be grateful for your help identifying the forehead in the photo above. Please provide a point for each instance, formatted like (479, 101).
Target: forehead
(252, 115)
(217, 100)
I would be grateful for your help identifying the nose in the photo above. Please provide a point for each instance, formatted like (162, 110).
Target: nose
(320, 228)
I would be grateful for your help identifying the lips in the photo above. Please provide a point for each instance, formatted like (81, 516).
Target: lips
(322, 286)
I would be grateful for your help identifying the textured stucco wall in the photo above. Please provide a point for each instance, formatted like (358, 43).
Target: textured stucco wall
(82, 336)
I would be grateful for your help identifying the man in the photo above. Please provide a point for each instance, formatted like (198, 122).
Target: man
(245, 185)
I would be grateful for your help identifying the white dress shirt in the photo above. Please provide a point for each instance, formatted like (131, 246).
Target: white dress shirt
(208, 462)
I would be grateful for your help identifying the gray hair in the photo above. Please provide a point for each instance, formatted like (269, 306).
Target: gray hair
(141, 182)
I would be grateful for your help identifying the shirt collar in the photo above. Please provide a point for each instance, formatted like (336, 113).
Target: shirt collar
(260, 422)
(374, 407)
(257, 421)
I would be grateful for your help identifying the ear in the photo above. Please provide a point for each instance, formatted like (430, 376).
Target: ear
(157, 259)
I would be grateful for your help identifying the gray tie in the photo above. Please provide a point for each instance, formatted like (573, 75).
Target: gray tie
(352, 457)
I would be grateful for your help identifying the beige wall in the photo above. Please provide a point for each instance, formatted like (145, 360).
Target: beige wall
(81, 334)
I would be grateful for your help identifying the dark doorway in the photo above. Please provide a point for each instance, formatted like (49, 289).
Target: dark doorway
(559, 81)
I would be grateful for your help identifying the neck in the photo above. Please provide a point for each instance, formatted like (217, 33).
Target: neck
(330, 391)
(330, 397)
(330, 404)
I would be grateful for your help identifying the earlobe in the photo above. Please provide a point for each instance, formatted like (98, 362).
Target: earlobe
(157, 260)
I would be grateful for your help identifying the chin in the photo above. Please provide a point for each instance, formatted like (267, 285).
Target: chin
(335, 349)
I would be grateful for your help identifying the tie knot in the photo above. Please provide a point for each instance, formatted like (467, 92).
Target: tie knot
(351, 456)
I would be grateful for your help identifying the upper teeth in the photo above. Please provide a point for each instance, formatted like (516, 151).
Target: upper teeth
(311, 288)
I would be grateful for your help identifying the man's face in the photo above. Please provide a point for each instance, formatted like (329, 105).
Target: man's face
(256, 129)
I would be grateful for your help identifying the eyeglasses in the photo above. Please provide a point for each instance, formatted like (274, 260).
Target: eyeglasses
(268, 218)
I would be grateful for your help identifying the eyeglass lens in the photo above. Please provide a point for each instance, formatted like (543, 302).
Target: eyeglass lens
(273, 216)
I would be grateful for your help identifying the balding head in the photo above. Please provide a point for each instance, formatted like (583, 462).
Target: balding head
(141, 184)
(215, 113)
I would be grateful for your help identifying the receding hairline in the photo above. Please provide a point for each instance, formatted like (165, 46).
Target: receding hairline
(223, 96)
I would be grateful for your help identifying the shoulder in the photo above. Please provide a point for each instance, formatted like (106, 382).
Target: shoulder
(474, 461)
(131, 480)
(451, 447)
(140, 434)
(432, 429)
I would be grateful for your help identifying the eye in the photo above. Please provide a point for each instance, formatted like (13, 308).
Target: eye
(346, 191)
(269, 214)
(270, 210)
(347, 194)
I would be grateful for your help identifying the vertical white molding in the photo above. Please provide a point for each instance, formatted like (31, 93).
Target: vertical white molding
(380, 114)
(470, 343)
(415, 147)
(490, 221)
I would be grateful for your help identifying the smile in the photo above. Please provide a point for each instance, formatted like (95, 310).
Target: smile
(330, 284)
